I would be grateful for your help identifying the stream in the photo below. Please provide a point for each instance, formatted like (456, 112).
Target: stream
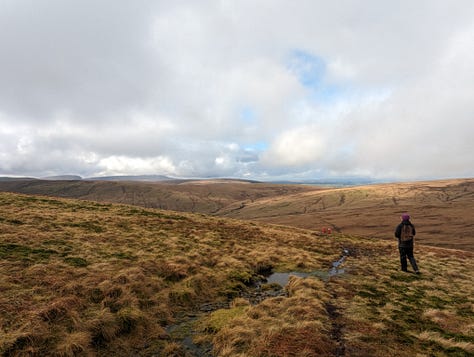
(272, 286)
(282, 278)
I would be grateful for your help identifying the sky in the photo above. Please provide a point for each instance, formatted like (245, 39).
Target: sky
(265, 90)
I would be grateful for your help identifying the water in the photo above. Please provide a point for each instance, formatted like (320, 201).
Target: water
(283, 278)
(183, 332)
(335, 270)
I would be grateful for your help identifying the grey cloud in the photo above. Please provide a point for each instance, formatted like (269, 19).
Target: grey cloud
(163, 84)
(84, 58)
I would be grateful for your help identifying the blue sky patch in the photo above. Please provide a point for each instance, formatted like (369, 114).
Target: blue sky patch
(257, 146)
(310, 69)
(311, 72)
(248, 115)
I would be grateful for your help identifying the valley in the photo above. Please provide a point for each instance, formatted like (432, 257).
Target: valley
(441, 210)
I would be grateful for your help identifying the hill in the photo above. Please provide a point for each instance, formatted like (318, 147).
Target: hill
(149, 178)
(441, 210)
(82, 278)
(62, 178)
(203, 196)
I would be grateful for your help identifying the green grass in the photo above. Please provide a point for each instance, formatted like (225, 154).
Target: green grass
(14, 251)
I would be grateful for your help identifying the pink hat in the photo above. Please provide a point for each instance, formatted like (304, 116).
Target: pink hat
(405, 216)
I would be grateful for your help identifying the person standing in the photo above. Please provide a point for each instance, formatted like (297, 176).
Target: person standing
(405, 233)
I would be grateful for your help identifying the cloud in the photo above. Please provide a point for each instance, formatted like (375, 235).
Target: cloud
(122, 165)
(297, 147)
(234, 88)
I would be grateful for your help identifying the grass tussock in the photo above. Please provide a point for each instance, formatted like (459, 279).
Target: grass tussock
(87, 279)
(428, 314)
(275, 327)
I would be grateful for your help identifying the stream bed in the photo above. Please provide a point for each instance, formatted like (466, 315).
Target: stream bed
(272, 286)
(282, 278)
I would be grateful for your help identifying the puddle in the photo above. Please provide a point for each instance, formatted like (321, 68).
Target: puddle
(183, 331)
(335, 270)
(283, 278)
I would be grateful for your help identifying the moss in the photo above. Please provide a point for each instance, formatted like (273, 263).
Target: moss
(182, 297)
(76, 262)
(22, 252)
(123, 255)
(242, 276)
(61, 246)
(232, 289)
(219, 318)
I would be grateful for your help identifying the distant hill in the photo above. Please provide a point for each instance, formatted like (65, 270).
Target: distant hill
(203, 196)
(150, 178)
(62, 178)
(441, 210)
(138, 178)
(9, 178)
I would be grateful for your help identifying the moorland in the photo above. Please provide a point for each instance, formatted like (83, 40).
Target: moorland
(442, 210)
(85, 277)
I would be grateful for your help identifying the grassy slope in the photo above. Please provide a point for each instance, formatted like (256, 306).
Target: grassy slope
(441, 210)
(186, 196)
(83, 278)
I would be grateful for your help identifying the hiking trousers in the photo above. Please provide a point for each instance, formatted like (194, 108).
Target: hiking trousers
(407, 252)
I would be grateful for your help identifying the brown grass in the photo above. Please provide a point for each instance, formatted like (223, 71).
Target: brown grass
(81, 278)
(277, 326)
(441, 210)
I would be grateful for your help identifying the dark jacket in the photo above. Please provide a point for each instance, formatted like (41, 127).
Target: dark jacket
(398, 231)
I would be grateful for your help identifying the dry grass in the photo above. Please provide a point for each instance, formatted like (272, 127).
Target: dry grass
(208, 196)
(277, 326)
(441, 210)
(388, 312)
(81, 278)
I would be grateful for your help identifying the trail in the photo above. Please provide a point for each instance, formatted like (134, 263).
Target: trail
(333, 311)
(336, 327)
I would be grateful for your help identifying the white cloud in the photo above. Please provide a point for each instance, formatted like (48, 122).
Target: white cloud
(122, 165)
(212, 88)
(296, 147)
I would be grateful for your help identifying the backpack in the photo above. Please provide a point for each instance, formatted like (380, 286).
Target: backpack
(406, 233)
